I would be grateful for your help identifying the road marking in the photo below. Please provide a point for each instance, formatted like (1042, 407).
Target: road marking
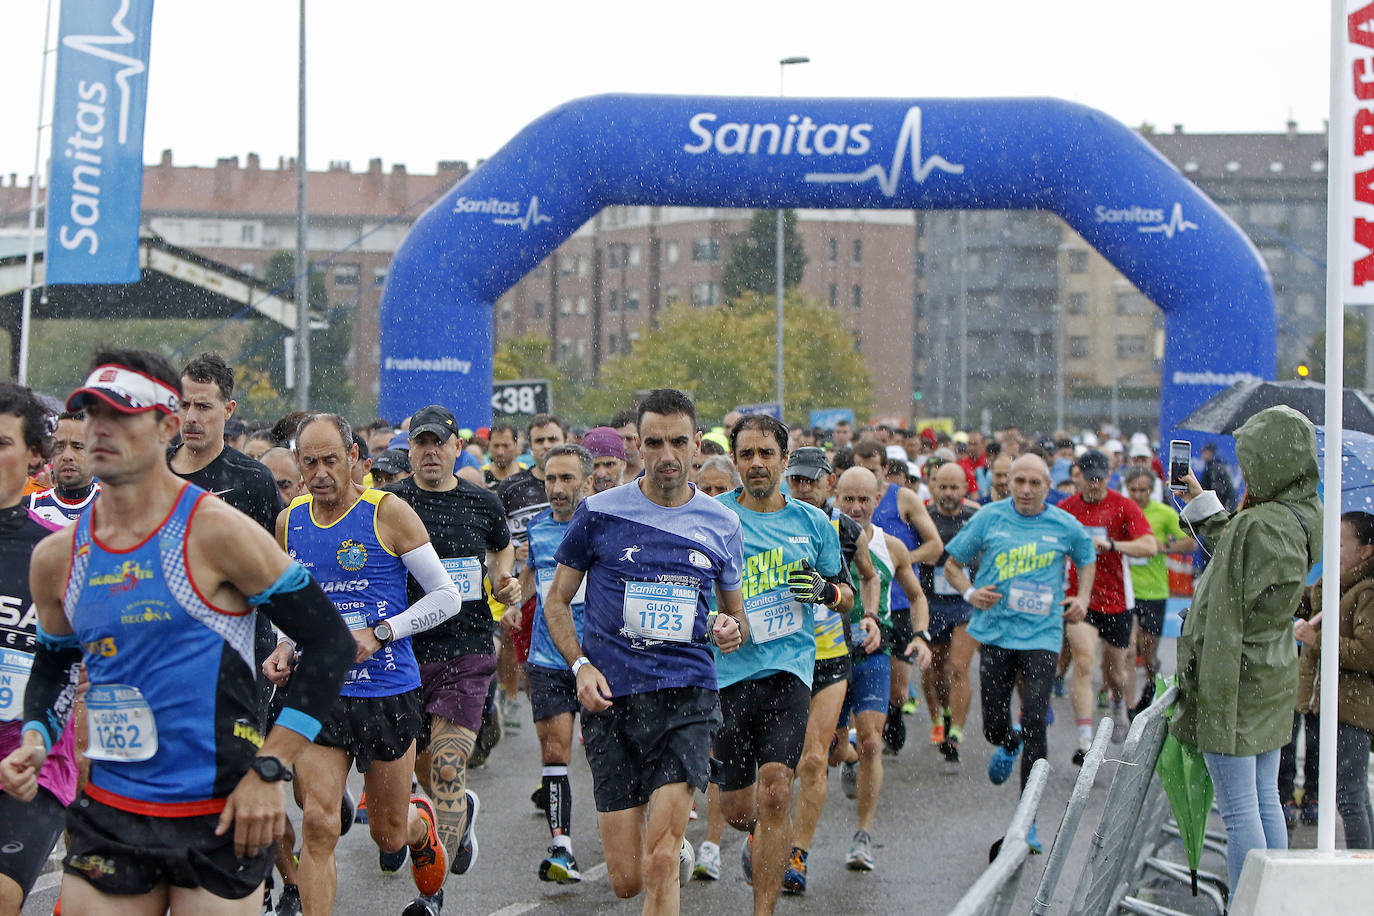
(515, 909)
(46, 882)
(595, 873)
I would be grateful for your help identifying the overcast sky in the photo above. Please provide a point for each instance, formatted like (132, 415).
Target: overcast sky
(416, 81)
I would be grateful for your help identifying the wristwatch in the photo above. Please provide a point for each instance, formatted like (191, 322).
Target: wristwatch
(383, 634)
(270, 769)
(924, 635)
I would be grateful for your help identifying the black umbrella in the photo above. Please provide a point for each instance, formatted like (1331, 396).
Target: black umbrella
(1226, 411)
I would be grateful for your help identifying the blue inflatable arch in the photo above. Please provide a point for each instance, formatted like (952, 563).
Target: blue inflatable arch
(1122, 196)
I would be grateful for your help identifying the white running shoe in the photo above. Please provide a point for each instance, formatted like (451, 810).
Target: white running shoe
(708, 862)
(686, 861)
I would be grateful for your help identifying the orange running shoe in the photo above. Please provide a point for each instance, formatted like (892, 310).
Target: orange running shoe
(937, 733)
(428, 861)
(360, 813)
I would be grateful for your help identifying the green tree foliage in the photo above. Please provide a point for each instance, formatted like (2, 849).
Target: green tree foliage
(752, 266)
(1315, 356)
(724, 357)
(523, 356)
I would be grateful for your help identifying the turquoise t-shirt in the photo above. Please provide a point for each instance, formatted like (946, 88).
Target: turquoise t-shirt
(782, 631)
(1022, 557)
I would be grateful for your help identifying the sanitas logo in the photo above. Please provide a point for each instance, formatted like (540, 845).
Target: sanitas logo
(1151, 219)
(506, 212)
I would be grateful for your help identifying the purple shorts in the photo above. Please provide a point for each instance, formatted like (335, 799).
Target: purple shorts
(457, 688)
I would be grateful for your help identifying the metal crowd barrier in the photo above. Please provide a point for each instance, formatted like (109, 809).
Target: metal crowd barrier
(1073, 814)
(995, 890)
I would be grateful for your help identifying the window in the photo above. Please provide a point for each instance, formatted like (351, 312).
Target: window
(632, 256)
(1078, 262)
(209, 232)
(613, 301)
(565, 306)
(1131, 303)
(581, 348)
(858, 297)
(1078, 348)
(613, 256)
(565, 265)
(378, 276)
(582, 266)
(346, 274)
(613, 343)
(1131, 346)
(706, 249)
(581, 305)
(248, 234)
(538, 308)
(858, 250)
(833, 250)
(834, 295)
(632, 300)
(672, 253)
(507, 310)
(1078, 303)
(704, 294)
(250, 269)
(672, 294)
(564, 348)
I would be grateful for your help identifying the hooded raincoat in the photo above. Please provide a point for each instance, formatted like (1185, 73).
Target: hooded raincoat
(1237, 660)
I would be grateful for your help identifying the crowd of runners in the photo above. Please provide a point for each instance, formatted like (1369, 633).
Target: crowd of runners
(719, 611)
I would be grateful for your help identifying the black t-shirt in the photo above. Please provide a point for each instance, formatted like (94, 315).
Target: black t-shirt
(948, 526)
(466, 521)
(20, 532)
(523, 497)
(241, 482)
(849, 532)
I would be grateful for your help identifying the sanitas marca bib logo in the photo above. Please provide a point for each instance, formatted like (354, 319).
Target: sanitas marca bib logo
(352, 555)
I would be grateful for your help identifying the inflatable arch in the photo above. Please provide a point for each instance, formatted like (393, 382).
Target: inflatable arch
(1121, 195)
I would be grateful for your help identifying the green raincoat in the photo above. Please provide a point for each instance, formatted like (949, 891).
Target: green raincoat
(1237, 660)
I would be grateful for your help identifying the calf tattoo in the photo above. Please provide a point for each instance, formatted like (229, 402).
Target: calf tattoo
(449, 749)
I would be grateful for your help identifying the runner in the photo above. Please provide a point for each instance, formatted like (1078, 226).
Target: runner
(651, 552)
(28, 832)
(359, 545)
(552, 687)
(1000, 486)
(1150, 580)
(155, 588)
(281, 464)
(457, 658)
(717, 476)
(627, 424)
(502, 444)
(74, 485)
(792, 565)
(1019, 546)
(857, 496)
(810, 478)
(946, 680)
(1119, 530)
(608, 456)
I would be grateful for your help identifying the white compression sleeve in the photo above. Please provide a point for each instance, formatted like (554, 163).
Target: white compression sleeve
(442, 599)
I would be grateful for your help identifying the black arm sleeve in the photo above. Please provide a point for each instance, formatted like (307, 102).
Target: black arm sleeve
(52, 688)
(327, 648)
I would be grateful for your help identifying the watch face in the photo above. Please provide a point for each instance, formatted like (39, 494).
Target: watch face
(382, 631)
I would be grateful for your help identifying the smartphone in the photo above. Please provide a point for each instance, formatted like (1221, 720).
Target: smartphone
(1180, 464)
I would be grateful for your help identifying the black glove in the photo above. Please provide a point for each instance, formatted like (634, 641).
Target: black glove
(810, 587)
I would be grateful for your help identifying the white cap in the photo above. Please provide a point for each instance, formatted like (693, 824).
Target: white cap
(1141, 450)
(1113, 445)
(896, 453)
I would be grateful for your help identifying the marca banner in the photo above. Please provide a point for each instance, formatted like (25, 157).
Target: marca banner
(1352, 100)
(97, 141)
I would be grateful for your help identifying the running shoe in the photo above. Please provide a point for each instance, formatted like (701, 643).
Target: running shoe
(425, 905)
(1079, 756)
(1059, 686)
(1290, 813)
(746, 858)
(860, 856)
(428, 863)
(1049, 714)
(540, 797)
(1003, 758)
(347, 812)
(794, 878)
(687, 862)
(289, 903)
(1104, 698)
(466, 857)
(510, 713)
(1033, 841)
(488, 736)
(849, 779)
(692, 815)
(267, 909)
(894, 729)
(708, 862)
(1308, 812)
(360, 810)
(559, 866)
(949, 748)
(937, 733)
(910, 706)
(391, 862)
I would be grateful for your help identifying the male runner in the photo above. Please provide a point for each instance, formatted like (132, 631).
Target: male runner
(286, 473)
(1119, 530)
(650, 551)
(608, 457)
(1000, 486)
(28, 832)
(74, 486)
(1150, 579)
(155, 589)
(946, 680)
(504, 449)
(359, 544)
(792, 564)
(457, 658)
(1019, 546)
(552, 687)
(857, 497)
(810, 478)
(627, 424)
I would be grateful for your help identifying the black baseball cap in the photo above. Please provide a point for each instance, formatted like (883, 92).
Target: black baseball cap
(1094, 465)
(434, 419)
(391, 461)
(809, 462)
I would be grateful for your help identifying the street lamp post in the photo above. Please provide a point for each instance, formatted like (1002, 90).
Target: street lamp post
(778, 260)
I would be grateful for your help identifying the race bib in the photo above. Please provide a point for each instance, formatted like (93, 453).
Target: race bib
(655, 610)
(543, 578)
(355, 620)
(772, 615)
(466, 573)
(14, 677)
(942, 586)
(120, 724)
(1097, 531)
(1030, 598)
(1137, 561)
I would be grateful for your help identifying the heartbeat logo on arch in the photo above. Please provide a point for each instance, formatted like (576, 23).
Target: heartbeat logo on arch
(908, 146)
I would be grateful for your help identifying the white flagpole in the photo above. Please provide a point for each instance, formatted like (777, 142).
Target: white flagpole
(1336, 189)
(26, 313)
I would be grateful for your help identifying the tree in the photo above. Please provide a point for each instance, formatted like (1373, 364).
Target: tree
(1315, 356)
(724, 357)
(752, 266)
(523, 356)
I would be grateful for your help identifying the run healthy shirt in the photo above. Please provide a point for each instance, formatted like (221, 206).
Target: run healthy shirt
(545, 534)
(366, 582)
(1022, 557)
(1116, 517)
(649, 572)
(1150, 576)
(782, 630)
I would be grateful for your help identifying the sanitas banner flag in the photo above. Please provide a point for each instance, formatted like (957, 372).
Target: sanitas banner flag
(96, 189)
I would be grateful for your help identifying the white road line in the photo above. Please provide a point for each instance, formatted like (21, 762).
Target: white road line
(595, 873)
(515, 909)
(47, 881)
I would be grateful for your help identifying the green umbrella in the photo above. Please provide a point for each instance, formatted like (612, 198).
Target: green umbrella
(1186, 781)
